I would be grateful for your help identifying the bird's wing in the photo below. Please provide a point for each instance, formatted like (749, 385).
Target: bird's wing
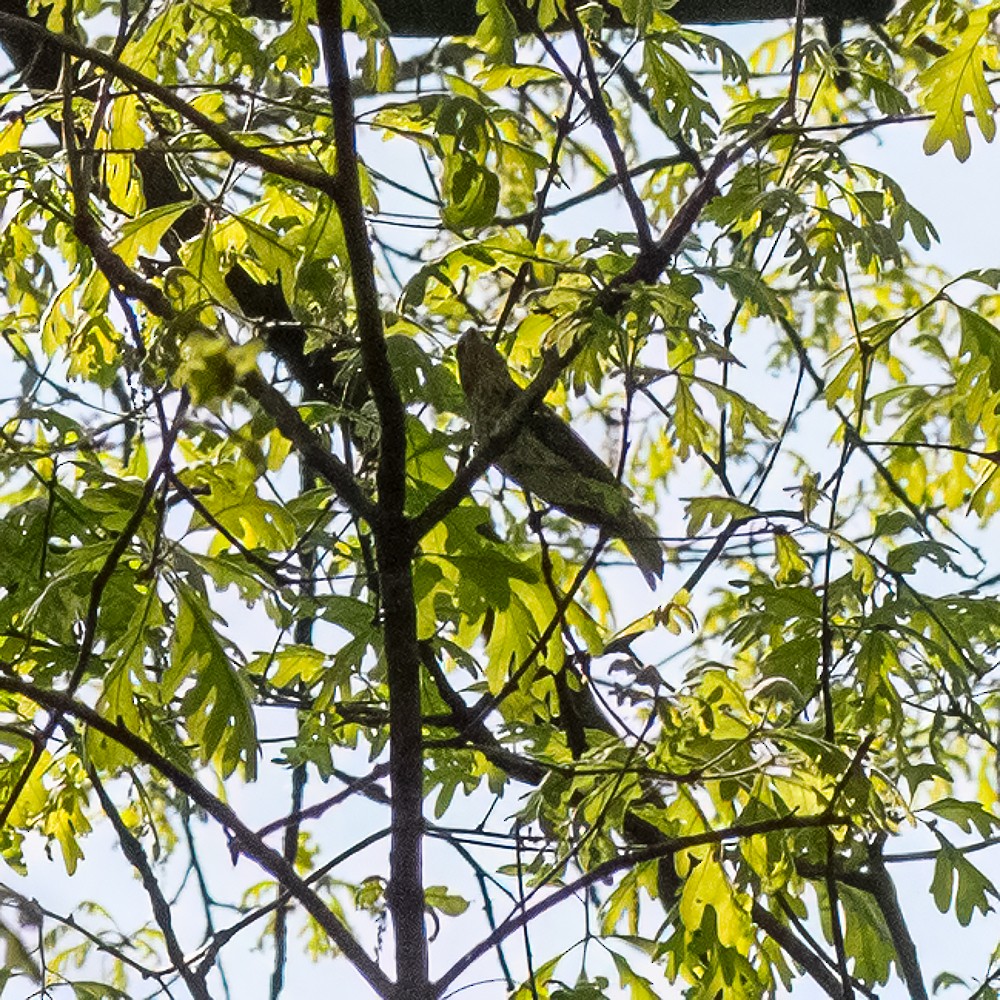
(556, 435)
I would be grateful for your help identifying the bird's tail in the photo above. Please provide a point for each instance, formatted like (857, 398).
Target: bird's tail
(644, 547)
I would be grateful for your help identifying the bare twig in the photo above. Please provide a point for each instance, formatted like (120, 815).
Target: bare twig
(136, 856)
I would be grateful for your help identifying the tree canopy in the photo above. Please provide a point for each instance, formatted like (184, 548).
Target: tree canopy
(279, 579)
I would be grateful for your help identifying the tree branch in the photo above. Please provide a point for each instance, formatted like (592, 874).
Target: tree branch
(797, 950)
(136, 856)
(310, 448)
(394, 543)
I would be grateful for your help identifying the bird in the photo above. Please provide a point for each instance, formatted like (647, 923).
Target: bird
(549, 459)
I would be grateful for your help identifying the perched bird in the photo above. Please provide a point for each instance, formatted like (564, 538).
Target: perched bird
(549, 459)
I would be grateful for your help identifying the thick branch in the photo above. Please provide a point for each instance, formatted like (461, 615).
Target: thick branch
(797, 950)
(394, 545)
(437, 18)
(374, 351)
(880, 884)
(289, 421)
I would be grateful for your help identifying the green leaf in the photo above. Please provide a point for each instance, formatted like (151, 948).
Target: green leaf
(945, 979)
(216, 705)
(690, 429)
(955, 876)
(471, 191)
(957, 77)
(788, 557)
(145, 233)
(965, 815)
(497, 32)
(639, 987)
(92, 990)
(717, 510)
(290, 664)
(437, 897)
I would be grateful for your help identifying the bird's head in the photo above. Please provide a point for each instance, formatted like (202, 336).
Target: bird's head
(482, 370)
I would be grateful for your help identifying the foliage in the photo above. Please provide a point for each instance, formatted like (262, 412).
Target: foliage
(255, 554)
